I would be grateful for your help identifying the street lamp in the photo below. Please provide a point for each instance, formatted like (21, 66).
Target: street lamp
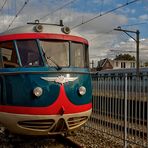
(137, 43)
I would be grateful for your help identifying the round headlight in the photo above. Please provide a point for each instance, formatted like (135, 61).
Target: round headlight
(82, 90)
(66, 30)
(38, 91)
(38, 28)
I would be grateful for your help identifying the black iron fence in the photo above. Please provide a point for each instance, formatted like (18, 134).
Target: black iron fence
(120, 106)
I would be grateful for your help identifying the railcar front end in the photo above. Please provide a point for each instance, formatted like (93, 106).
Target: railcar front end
(45, 85)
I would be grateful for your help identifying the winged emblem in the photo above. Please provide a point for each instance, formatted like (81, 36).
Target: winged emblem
(60, 79)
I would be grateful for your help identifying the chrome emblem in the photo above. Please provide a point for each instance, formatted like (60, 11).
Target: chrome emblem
(60, 79)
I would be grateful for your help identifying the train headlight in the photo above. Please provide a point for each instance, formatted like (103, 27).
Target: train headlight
(82, 90)
(38, 28)
(38, 91)
(66, 30)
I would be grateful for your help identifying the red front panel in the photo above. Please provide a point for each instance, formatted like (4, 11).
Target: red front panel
(61, 106)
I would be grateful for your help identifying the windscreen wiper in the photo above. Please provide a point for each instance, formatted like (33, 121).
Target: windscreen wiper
(53, 61)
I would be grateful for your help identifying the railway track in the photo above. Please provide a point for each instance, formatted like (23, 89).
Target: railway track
(17, 141)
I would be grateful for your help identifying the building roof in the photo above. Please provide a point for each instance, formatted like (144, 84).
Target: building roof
(101, 63)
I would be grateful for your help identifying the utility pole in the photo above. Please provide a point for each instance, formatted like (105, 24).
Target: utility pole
(92, 63)
(137, 44)
(137, 71)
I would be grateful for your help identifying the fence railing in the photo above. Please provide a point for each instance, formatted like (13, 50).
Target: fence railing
(120, 106)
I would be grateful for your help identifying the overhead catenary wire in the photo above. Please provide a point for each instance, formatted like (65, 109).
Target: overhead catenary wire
(3, 5)
(108, 32)
(135, 24)
(107, 12)
(61, 7)
(17, 14)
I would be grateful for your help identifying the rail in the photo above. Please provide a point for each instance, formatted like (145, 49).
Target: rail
(120, 107)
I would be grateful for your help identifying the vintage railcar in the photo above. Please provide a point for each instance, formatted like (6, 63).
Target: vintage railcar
(45, 82)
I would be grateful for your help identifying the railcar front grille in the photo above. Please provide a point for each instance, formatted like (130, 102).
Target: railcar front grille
(60, 126)
(76, 121)
(37, 124)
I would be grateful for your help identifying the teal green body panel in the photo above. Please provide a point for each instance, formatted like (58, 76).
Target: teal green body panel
(73, 88)
(17, 84)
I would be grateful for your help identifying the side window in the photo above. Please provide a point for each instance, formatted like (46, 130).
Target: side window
(8, 56)
(79, 55)
(29, 53)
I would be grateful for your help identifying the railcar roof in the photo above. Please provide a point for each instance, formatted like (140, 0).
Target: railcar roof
(29, 28)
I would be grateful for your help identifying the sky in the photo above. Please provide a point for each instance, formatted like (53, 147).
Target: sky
(93, 19)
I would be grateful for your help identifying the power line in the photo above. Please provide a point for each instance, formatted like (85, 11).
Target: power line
(57, 9)
(108, 32)
(26, 2)
(107, 12)
(136, 24)
(3, 5)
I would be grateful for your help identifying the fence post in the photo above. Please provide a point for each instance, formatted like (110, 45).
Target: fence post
(125, 113)
(147, 119)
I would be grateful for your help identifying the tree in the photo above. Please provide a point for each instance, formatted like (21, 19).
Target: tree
(127, 57)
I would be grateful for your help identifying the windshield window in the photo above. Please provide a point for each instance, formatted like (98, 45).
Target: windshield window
(8, 56)
(79, 55)
(29, 53)
(56, 52)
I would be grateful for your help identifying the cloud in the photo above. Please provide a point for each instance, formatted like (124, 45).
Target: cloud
(102, 24)
(126, 10)
(143, 17)
(102, 2)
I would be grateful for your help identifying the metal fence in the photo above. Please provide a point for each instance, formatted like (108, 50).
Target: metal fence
(120, 106)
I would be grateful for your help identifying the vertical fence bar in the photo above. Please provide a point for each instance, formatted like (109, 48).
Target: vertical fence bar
(94, 98)
(97, 101)
(113, 106)
(105, 108)
(147, 112)
(140, 101)
(99, 98)
(125, 113)
(128, 105)
(122, 83)
(136, 105)
(110, 106)
(116, 103)
(133, 96)
(143, 106)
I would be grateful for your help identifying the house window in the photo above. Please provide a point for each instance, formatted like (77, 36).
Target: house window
(123, 65)
(132, 65)
(116, 64)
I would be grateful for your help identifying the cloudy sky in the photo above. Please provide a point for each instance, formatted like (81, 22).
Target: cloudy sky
(94, 19)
